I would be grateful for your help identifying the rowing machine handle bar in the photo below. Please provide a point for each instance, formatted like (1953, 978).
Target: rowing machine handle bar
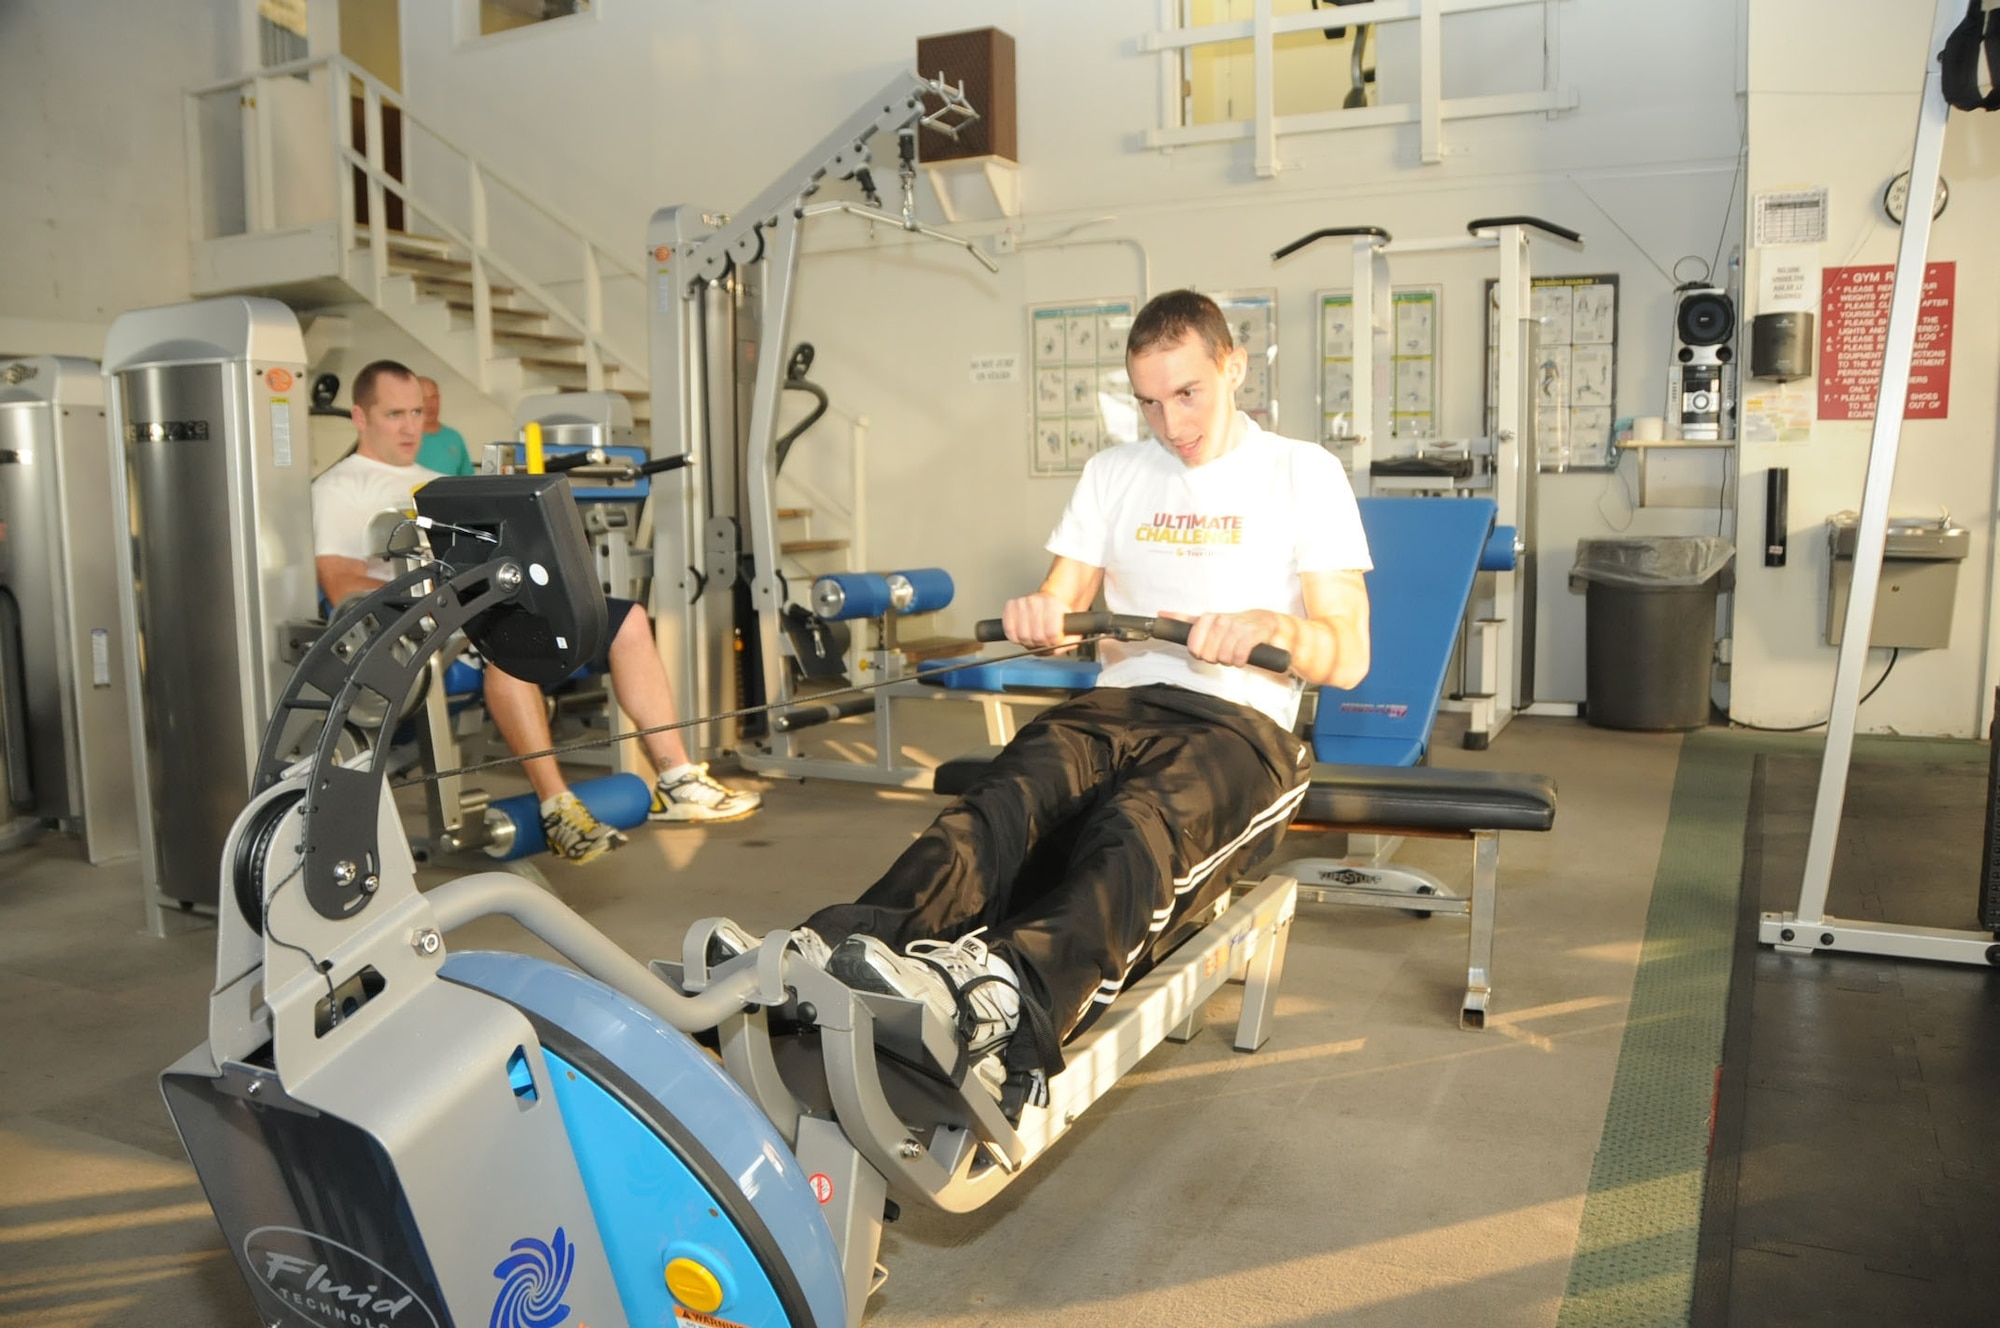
(1171, 630)
(556, 465)
(658, 464)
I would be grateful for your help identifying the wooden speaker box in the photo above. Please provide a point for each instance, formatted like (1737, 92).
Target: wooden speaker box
(982, 60)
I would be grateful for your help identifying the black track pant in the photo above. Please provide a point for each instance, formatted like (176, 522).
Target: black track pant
(1088, 844)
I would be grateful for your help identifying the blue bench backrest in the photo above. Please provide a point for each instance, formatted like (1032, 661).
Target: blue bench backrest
(1426, 553)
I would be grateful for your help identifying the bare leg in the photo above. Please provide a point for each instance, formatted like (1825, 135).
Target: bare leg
(642, 688)
(520, 713)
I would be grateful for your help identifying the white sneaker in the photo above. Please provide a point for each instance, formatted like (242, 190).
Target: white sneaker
(690, 793)
(729, 940)
(964, 983)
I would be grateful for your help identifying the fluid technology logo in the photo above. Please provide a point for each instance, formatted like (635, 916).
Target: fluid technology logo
(329, 1284)
(533, 1277)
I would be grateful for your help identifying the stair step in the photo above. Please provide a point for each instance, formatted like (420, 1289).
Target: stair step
(432, 284)
(464, 308)
(813, 546)
(433, 245)
(794, 513)
(516, 339)
(428, 265)
(549, 364)
(642, 403)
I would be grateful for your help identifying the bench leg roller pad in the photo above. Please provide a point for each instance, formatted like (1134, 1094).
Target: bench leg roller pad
(623, 800)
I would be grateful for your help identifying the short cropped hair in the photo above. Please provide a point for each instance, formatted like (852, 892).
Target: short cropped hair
(1169, 317)
(364, 382)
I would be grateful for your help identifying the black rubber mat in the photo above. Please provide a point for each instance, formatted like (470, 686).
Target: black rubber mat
(1855, 1175)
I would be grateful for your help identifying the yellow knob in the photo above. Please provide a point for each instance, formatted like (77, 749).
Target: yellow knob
(694, 1286)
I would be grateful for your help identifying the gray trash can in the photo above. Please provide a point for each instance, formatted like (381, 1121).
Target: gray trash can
(1649, 628)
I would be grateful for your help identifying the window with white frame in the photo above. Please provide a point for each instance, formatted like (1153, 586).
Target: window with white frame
(507, 15)
(1263, 69)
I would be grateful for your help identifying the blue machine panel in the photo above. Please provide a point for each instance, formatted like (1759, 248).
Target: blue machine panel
(649, 1201)
(650, 1208)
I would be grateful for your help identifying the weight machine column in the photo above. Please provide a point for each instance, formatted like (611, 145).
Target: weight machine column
(1807, 927)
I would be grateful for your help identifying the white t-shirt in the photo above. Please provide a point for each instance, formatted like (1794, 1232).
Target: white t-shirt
(346, 497)
(1226, 537)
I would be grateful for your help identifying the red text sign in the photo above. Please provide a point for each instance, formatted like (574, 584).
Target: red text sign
(1853, 329)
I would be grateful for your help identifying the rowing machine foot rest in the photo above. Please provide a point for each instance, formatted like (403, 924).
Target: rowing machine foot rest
(623, 800)
(1431, 801)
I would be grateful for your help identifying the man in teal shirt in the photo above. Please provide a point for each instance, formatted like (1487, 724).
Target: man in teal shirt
(443, 448)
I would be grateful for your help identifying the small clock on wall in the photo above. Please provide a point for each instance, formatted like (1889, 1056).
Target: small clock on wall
(1896, 198)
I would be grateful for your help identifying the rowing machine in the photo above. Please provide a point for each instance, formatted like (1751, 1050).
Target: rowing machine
(391, 1134)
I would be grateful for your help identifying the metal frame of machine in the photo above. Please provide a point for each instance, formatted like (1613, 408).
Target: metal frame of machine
(67, 733)
(1499, 646)
(1806, 928)
(721, 305)
(206, 403)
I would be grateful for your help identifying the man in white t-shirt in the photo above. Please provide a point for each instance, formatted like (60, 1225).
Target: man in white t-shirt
(1098, 836)
(381, 475)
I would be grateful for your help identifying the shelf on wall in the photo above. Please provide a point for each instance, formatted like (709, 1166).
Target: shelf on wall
(960, 202)
(1645, 445)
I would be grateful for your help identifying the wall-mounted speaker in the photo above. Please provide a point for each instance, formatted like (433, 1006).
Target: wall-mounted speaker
(982, 61)
(1701, 382)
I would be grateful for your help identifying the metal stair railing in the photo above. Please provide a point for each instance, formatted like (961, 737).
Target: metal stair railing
(256, 97)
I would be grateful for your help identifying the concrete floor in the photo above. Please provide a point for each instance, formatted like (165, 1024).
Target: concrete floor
(1372, 1165)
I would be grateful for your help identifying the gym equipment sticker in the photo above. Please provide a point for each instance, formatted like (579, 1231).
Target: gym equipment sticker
(682, 1314)
(822, 1186)
(327, 1283)
(533, 1277)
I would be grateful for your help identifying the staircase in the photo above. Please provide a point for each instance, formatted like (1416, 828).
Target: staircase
(429, 292)
(287, 227)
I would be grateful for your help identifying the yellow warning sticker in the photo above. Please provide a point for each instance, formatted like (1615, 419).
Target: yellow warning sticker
(682, 1314)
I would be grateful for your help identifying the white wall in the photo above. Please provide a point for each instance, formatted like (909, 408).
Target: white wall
(96, 220)
(1834, 90)
(641, 106)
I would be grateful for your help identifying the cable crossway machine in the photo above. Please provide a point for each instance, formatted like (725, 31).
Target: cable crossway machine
(207, 407)
(1498, 673)
(68, 753)
(722, 288)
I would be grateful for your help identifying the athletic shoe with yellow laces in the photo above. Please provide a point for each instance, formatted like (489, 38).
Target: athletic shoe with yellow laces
(573, 834)
(690, 793)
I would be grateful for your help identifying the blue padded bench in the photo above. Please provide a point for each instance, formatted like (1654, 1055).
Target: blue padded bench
(1427, 552)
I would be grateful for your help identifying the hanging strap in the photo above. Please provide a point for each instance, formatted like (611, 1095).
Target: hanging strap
(1960, 60)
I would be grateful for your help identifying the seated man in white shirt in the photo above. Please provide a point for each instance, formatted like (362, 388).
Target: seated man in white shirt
(1100, 834)
(381, 474)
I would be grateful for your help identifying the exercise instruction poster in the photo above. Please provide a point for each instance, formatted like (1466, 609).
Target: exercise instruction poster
(1080, 395)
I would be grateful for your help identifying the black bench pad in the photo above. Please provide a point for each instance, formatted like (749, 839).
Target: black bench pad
(1428, 797)
(1411, 798)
